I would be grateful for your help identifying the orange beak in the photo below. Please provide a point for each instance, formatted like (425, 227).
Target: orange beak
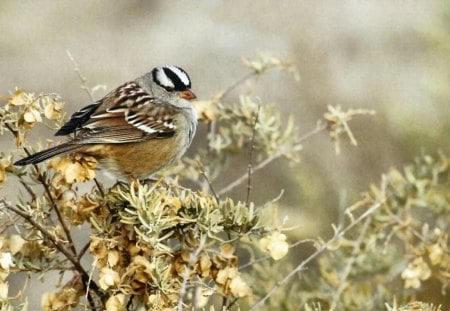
(188, 94)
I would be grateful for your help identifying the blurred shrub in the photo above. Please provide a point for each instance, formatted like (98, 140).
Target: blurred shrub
(163, 246)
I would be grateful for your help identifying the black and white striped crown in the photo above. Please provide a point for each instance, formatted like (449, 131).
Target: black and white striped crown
(171, 78)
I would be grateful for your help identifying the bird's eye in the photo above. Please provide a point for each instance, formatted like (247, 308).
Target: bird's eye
(169, 89)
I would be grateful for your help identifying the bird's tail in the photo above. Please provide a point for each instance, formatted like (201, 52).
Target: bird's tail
(43, 155)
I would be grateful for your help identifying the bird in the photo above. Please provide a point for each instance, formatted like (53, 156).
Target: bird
(135, 130)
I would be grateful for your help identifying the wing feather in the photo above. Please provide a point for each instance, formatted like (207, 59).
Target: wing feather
(127, 114)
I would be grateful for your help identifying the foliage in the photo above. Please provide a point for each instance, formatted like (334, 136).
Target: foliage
(160, 245)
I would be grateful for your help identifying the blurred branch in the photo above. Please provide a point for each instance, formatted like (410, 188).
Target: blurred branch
(356, 249)
(192, 259)
(338, 235)
(320, 126)
(208, 182)
(238, 82)
(250, 158)
(82, 78)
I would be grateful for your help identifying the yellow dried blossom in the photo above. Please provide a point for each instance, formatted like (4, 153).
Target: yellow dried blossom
(416, 272)
(181, 262)
(17, 98)
(230, 281)
(139, 274)
(207, 110)
(74, 169)
(115, 303)
(239, 288)
(113, 258)
(108, 278)
(6, 261)
(3, 290)
(15, 243)
(227, 251)
(435, 253)
(275, 244)
(79, 211)
(5, 163)
(99, 250)
(202, 296)
(225, 274)
(65, 299)
(205, 265)
(52, 108)
(32, 115)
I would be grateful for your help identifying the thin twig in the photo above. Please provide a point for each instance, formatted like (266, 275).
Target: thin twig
(28, 189)
(192, 259)
(12, 222)
(319, 128)
(250, 158)
(99, 187)
(82, 78)
(89, 281)
(231, 303)
(205, 176)
(83, 250)
(319, 251)
(238, 82)
(342, 280)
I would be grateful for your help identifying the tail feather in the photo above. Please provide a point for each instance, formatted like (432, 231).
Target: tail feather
(48, 153)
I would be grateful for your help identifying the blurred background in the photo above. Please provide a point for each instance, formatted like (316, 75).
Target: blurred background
(389, 56)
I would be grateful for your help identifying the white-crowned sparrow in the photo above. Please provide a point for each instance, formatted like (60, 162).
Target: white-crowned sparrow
(135, 130)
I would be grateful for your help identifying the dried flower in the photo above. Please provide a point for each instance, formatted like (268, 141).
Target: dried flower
(338, 123)
(275, 244)
(52, 108)
(6, 260)
(3, 291)
(416, 272)
(74, 169)
(229, 280)
(115, 303)
(108, 278)
(5, 164)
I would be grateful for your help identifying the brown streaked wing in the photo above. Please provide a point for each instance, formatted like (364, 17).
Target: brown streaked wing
(153, 116)
(112, 131)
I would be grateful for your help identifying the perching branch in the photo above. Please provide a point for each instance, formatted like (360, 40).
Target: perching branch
(41, 179)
